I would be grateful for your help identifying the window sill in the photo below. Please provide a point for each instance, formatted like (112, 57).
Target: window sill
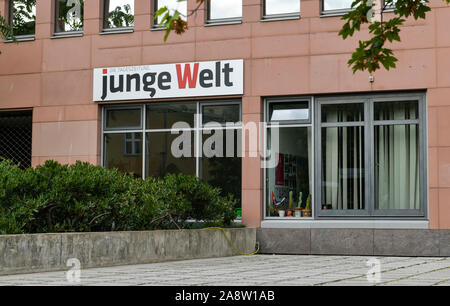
(365, 224)
(211, 23)
(117, 31)
(22, 38)
(157, 28)
(337, 13)
(66, 35)
(279, 18)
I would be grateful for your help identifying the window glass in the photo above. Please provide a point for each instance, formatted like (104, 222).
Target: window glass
(119, 14)
(221, 162)
(343, 168)
(290, 180)
(170, 153)
(23, 19)
(172, 5)
(224, 9)
(329, 5)
(123, 151)
(289, 111)
(221, 114)
(165, 115)
(123, 118)
(408, 110)
(69, 15)
(343, 112)
(397, 167)
(278, 7)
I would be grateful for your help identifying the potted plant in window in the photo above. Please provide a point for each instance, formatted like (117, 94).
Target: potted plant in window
(307, 210)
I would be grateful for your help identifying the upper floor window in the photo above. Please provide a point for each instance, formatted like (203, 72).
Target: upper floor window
(118, 14)
(22, 17)
(219, 11)
(281, 8)
(331, 6)
(69, 16)
(172, 6)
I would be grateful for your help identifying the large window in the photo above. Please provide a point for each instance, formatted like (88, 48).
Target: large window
(281, 8)
(69, 16)
(370, 156)
(224, 11)
(289, 175)
(336, 6)
(118, 14)
(22, 17)
(172, 6)
(194, 138)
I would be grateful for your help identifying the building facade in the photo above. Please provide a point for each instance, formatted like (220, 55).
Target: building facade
(362, 151)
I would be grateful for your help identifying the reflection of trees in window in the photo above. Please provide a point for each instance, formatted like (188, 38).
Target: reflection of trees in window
(69, 15)
(23, 17)
(121, 16)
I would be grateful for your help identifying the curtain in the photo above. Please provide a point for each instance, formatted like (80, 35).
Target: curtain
(342, 160)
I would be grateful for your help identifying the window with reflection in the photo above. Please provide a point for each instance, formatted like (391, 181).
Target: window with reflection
(289, 111)
(281, 8)
(221, 162)
(22, 17)
(69, 16)
(121, 151)
(118, 14)
(336, 5)
(289, 163)
(172, 6)
(224, 10)
(158, 138)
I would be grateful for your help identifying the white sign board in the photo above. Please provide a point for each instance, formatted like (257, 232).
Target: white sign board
(195, 79)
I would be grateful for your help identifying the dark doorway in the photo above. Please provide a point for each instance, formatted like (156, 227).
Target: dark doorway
(15, 137)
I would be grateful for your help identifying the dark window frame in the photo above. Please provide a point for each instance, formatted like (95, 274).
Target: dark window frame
(155, 25)
(220, 21)
(286, 16)
(331, 13)
(369, 125)
(106, 29)
(25, 37)
(55, 19)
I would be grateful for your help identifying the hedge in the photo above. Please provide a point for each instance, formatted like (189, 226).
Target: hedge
(81, 197)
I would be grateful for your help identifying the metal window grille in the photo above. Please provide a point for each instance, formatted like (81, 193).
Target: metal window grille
(15, 137)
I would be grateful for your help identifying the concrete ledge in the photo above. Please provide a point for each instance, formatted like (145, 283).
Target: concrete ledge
(50, 252)
(351, 241)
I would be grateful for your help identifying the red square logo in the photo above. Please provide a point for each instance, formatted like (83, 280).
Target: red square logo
(105, 71)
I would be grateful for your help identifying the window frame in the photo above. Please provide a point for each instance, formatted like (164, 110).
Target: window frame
(197, 129)
(64, 33)
(106, 30)
(19, 38)
(155, 25)
(370, 124)
(286, 16)
(331, 13)
(220, 21)
(267, 124)
(270, 101)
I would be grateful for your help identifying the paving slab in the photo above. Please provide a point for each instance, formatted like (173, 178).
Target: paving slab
(258, 270)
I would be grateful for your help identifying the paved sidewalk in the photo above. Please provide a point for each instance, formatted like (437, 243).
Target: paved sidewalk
(259, 270)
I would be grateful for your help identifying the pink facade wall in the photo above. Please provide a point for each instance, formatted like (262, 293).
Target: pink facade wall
(306, 56)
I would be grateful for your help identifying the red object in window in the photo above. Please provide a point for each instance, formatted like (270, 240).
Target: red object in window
(105, 71)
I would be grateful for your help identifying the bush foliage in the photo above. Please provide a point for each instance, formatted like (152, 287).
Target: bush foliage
(83, 197)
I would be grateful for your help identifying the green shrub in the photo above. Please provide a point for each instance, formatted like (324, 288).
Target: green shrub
(83, 197)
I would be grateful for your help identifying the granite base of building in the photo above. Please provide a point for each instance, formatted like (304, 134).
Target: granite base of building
(366, 242)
